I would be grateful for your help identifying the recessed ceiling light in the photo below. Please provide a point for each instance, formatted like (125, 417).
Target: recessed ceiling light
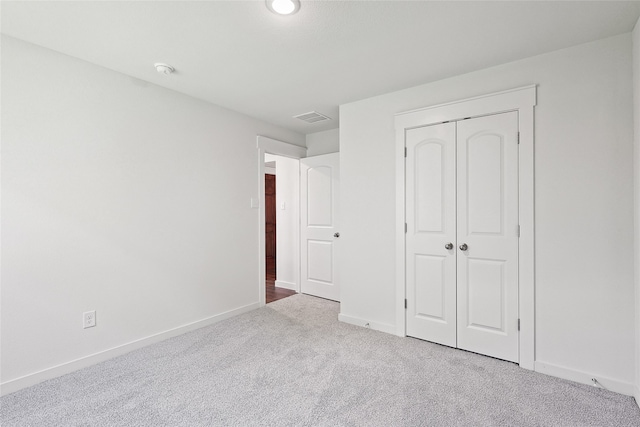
(283, 7)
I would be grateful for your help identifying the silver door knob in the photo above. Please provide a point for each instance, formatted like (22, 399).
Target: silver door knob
(448, 246)
(336, 234)
(464, 247)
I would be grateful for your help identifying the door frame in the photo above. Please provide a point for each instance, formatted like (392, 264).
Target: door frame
(522, 100)
(278, 148)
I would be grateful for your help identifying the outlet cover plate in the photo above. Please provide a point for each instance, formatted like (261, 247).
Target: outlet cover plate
(89, 319)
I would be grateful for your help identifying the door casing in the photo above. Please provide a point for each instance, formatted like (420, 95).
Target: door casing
(522, 100)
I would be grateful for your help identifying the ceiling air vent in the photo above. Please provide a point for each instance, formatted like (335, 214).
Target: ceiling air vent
(312, 117)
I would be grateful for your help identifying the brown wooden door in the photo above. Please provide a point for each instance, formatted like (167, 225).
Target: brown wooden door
(270, 224)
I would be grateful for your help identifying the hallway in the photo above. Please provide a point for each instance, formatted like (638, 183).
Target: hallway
(274, 293)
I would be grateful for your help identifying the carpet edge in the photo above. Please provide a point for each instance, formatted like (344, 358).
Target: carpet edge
(582, 377)
(376, 326)
(11, 386)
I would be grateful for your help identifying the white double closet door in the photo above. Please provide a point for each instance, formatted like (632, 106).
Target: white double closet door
(462, 234)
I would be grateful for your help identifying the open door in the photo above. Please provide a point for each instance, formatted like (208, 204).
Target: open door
(319, 187)
(270, 225)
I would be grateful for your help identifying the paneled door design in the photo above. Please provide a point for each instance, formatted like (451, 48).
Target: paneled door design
(463, 176)
(431, 233)
(488, 235)
(319, 186)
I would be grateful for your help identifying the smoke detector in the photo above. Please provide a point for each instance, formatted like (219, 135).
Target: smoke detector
(312, 117)
(165, 69)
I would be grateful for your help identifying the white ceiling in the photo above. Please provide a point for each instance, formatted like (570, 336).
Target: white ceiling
(239, 55)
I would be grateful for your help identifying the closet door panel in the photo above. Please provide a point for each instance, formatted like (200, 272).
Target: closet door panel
(430, 216)
(487, 231)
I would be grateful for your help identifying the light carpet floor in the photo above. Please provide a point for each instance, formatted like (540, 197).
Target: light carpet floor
(292, 363)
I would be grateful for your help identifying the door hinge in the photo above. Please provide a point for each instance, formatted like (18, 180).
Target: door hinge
(405, 151)
(405, 303)
(518, 324)
(518, 230)
(405, 227)
(518, 137)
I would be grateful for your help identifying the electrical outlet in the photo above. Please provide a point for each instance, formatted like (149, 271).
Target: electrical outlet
(89, 319)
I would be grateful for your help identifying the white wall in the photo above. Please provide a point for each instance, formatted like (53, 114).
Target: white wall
(583, 196)
(287, 221)
(324, 142)
(122, 197)
(636, 120)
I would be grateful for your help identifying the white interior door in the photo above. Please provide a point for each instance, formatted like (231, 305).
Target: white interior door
(462, 188)
(319, 187)
(431, 233)
(488, 226)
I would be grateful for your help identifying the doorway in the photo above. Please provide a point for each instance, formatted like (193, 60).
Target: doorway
(279, 222)
(287, 265)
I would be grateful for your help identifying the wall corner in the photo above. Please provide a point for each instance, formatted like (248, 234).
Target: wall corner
(636, 169)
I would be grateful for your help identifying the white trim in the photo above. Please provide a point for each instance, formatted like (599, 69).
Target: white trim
(14, 385)
(262, 264)
(525, 95)
(523, 101)
(286, 285)
(278, 148)
(401, 313)
(584, 377)
(269, 171)
(526, 247)
(636, 395)
(382, 327)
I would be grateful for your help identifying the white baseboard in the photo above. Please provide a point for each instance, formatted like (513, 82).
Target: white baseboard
(382, 327)
(16, 384)
(584, 377)
(636, 395)
(286, 285)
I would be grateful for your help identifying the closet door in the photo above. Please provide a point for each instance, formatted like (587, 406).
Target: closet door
(487, 247)
(431, 233)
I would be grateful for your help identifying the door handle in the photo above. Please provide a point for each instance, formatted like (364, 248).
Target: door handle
(464, 247)
(336, 235)
(448, 246)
